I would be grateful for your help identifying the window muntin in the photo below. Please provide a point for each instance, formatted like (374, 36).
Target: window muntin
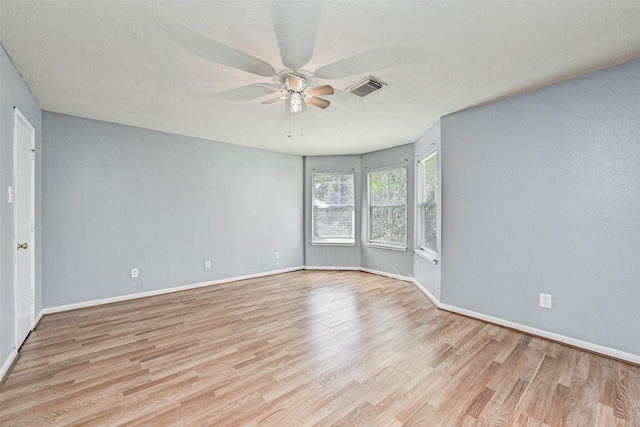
(333, 208)
(428, 203)
(387, 190)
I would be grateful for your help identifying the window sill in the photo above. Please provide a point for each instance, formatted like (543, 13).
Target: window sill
(380, 246)
(428, 255)
(333, 243)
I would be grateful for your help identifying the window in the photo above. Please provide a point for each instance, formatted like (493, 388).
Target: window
(428, 203)
(388, 207)
(333, 212)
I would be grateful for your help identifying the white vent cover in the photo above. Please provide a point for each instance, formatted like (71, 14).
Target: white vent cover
(366, 86)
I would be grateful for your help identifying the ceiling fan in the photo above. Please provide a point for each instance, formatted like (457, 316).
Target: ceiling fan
(295, 25)
(296, 91)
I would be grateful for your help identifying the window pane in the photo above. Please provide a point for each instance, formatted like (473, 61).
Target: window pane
(388, 187)
(430, 179)
(398, 225)
(379, 230)
(429, 225)
(388, 206)
(428, 208)
(333, 213)
(333, 188)
(332, 223)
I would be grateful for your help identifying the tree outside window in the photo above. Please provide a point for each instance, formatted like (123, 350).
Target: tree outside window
(428, 203)
(388, 206)
(333, 208)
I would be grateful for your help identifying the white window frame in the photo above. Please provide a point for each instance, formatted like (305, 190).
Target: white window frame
(351, 241)
(426, 252)
(382, 244)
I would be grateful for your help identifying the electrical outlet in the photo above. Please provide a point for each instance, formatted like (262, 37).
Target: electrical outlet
(277, 255)
(207, 264)
(545, 300)
(134, 273)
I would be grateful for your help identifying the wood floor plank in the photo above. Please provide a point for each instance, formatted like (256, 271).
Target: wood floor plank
(305, 348)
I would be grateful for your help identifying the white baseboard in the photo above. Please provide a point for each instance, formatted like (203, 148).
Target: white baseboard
(92, 303)
(7, 365)
(38, 319)
(595, 348)
(385, 274)
(366, 270)
(432, 298)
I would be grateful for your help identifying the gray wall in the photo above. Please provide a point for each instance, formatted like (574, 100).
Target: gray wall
(542, 194)
(14, 93)
(387, 260)
(424, 271)
(116, 197)
(332, 256)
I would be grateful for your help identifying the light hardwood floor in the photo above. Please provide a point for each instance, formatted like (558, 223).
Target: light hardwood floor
(305, 348)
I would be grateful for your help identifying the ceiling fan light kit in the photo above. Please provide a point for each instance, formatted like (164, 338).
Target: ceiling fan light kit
(295, 104)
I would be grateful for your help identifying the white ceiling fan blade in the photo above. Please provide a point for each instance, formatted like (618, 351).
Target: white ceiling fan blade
(320, 90)
(244, 93)
(271, 101)
(271, 88)
(217, 52)
(295, 24)
(317, 102)
(367, 62)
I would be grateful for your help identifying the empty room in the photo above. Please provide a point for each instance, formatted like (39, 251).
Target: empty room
(273, 213)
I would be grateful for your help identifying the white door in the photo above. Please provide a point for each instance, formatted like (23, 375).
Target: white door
(24, 200)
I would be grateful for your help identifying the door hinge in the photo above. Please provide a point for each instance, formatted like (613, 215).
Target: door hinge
(32, 155)
(12, 194)
(33, 298)
(32, 225)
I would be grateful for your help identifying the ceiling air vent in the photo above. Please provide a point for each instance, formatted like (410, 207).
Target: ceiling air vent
(366, 86)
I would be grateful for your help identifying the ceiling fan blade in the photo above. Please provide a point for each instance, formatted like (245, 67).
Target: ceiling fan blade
(320, 90)
(317, 102)
(271, 101)
(367, 62)
(244, 93)
(217, 52)
(271, 88)
(295, 82)
(295, 24)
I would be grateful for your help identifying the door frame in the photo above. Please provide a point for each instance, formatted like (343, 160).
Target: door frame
(18, 116)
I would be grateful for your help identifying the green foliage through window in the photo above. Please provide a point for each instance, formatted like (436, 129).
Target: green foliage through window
(388, 206)
(428, 203)
(333, 208)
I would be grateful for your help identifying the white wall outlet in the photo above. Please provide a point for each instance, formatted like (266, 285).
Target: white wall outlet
(545, 300)
(134, 273)
(277, 255)
(207, 264)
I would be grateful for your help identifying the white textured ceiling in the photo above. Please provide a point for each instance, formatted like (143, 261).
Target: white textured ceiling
(190, 68)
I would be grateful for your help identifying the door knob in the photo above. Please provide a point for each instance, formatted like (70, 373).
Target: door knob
(22, 246)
